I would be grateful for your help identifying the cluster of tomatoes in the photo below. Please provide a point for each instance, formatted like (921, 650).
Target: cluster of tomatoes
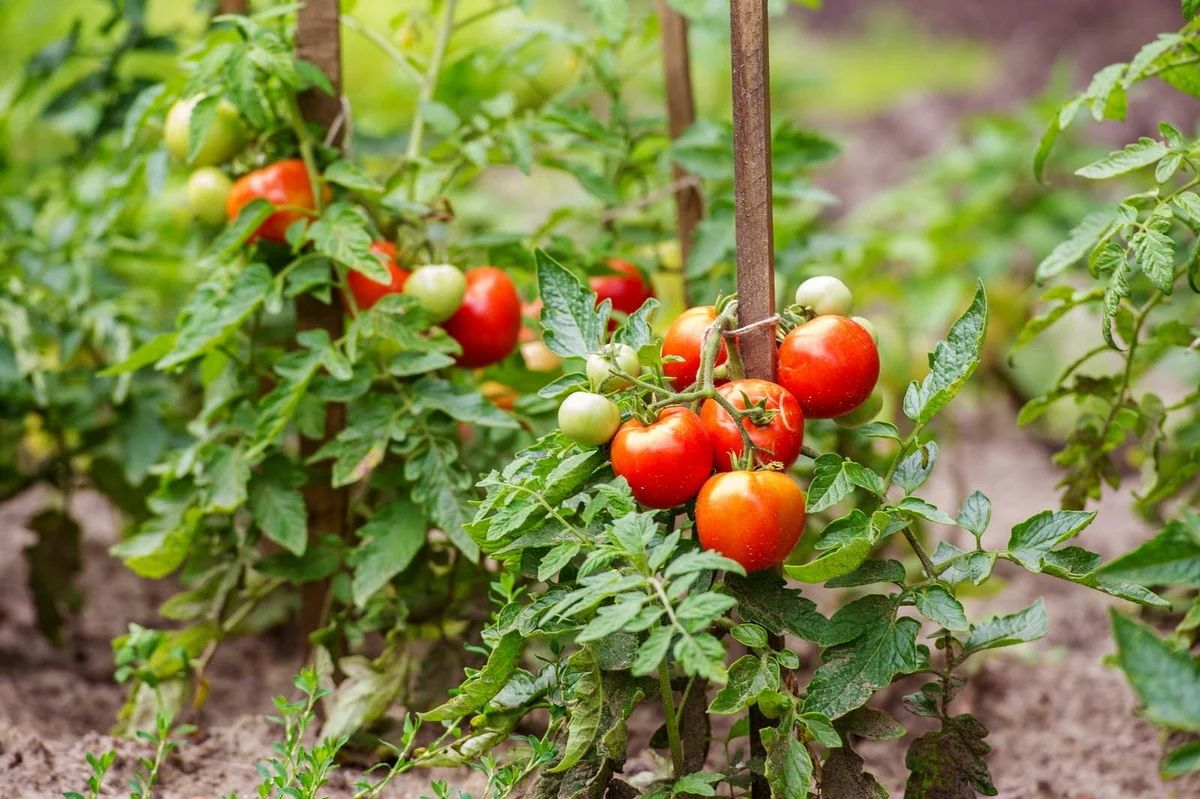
(480, 308)
(671, 453)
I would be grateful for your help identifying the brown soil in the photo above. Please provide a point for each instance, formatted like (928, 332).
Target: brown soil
(1062, 723)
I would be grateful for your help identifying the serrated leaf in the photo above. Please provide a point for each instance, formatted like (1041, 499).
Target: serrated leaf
(940, 606)
(1172, 557)
(1033, 538)
(341, 234)
(1079, 241)
(571, 323)
(788, 765)
(1143, 152)
(976, 514)
(652, 651)
(834, 477)
(855, 670)
(764, 598)
(348, 174)
(924, 509)
(749, 676)
(143, 356)
(1014, 628)
(278, 510)
(586, 707)
(479, 689)
(393, 538)
(949, 763)
(1155, 254)
(215, 310)
(1167, 681)
(953, 361)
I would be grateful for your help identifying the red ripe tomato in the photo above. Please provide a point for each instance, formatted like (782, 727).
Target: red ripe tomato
(627, 289)
(755, 518)
(488, 322)
(284, 184)
(830, 364)
(685, 338)
(778, 440)
(665, 462)
(366, 291)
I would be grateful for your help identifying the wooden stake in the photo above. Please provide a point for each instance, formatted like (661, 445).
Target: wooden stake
(753, 219)
(318, 39)
(233, 7)
(681, 113)
(753, 216)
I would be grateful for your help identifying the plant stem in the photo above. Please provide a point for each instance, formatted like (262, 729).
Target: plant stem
(922, 555)
(672, 723)
(428, 85)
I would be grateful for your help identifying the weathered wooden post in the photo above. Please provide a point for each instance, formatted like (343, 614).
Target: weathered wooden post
(318, 39)
(753, 220)
(681, 113)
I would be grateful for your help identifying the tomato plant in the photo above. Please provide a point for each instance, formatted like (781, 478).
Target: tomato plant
(1140, 256)
(639, 604)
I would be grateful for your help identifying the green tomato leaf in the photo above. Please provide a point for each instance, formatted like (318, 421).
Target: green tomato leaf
(855, 670)
(392, 539)
(749, 676)
(952, 362)
(941, 607)
(1143, 152)
(834, 477)
(571, 323)
(1032, 539)
(1170, 558)
(487, 682)
(1166, 680)
(949, 763)
(1014, 628)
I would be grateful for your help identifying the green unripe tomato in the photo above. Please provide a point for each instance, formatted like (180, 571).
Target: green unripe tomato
(864, 413)
(207, 189)
(825, 295)
(439, 288)
(602, 367)
(866, 325)
(588, 418)
(224, 137)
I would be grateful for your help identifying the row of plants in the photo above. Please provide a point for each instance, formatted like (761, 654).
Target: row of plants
(329, 472)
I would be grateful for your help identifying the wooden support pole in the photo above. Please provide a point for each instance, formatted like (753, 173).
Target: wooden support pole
(681, 113)
(233, 7)
(318, 39)
(753, 220)
(753, 217)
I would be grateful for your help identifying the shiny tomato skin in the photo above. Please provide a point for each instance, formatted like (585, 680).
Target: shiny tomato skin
(627, 289)
(755, 518)
(665, 462)
(366, 291)
(779, 440)
(285, 184)
(830, 364)
(685, 339)
(488, 322)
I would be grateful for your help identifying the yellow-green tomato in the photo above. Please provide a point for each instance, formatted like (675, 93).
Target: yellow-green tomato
(602, 367)
(207, 189)
(825, 295)
(588, 418)
(866, 325)
(863, 413)
(439, 288)
(224, 137)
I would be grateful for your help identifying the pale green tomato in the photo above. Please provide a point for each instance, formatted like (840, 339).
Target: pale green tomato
(224, 137)
(866, 325)
(439, 288)
(588, 418)
(600, 367)
(825, 295)
(207, 189)
(864, 413)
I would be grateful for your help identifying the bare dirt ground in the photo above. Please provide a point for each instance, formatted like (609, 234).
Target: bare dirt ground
(1062, 723)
